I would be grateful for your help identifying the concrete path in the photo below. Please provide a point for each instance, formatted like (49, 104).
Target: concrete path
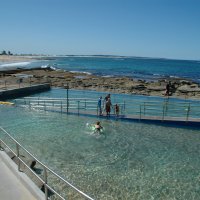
(11, 187)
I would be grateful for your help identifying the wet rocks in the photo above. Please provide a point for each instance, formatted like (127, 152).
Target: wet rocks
(178, 87)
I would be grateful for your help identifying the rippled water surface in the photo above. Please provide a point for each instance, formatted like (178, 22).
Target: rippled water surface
(129, 160)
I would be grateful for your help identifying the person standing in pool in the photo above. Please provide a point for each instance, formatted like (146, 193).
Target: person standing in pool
(108, 107)
(107, 97)
(117, 110)
(105, 101)
(99, 105)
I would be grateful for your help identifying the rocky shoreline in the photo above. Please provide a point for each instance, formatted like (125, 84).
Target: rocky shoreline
(181, 88)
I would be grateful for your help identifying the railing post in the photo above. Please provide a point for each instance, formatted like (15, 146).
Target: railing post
(45, 186)
(166, 108)
(163, 114)
(188, 112)
(144, 108)
(67, 98)
(124, 105)
(17, 148)
(61, 106)
(67, 105)
(78, 107)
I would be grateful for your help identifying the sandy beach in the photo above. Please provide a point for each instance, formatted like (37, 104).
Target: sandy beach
(11, 58)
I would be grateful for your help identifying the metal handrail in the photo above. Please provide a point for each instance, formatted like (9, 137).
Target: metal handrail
(44, 166)
(136, 102)
(62, 103)
(163, 108)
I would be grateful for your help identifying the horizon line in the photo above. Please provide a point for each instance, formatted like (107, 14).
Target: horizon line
(97, 55)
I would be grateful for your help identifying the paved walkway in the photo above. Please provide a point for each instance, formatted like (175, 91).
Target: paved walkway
(10, 186)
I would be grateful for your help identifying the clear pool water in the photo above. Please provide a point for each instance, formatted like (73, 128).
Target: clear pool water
(130, 104)
(129, 160)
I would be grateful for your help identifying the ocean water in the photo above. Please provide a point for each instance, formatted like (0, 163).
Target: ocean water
(138, 68)
(130, 160)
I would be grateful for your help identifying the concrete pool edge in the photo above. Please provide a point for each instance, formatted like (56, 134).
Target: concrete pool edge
(22, 177)
(23, 91)
(168, 123)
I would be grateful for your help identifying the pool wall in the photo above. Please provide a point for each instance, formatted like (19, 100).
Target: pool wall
(21, 92)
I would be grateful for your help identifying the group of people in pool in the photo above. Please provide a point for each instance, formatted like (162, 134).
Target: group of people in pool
(107, 105)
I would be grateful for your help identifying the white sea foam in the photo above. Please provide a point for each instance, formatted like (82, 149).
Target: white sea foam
(173, 76)
(44, 66)
(108, 76)
(16, 64)
(88, 73)
(51, 67)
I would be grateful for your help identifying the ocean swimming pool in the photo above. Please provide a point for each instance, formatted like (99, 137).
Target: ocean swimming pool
(129, 105)
(130, 160)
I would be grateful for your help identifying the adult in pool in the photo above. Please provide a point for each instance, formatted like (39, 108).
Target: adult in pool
(108, 107)
(99, 105)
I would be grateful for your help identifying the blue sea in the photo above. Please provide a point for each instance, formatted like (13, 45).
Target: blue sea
(135, 67)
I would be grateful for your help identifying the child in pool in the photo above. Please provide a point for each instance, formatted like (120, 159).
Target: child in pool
(117, 110)
(98, 126)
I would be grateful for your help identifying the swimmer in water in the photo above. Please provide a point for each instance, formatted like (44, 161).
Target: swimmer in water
(98, 126)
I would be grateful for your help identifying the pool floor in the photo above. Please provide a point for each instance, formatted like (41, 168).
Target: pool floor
(129, 160)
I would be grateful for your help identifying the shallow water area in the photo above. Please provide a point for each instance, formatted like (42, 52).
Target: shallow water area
(129, 160)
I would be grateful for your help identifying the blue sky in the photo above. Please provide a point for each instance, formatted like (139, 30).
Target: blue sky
(149, 28)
